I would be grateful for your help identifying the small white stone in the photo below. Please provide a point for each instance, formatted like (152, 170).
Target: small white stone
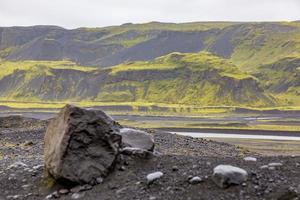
(77, 195)
(228, 169)
(14, 197)
(275, 164)
(38, 167)
(99, 180)
(154, 176)
(63, 191)
(249, 158)
(271, 168)
(26, 186)
(195, 180)
(264, 167)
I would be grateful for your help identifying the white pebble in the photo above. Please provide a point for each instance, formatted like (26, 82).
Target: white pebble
(249, 158)
(275, 164)
(195, 180)
(154, 176)
(77, 195)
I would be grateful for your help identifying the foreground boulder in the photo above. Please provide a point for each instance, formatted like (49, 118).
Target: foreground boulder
(226, 175)
(81, 145)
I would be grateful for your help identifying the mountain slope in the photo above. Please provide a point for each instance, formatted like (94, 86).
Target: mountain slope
(246, 44)
(198, 78)
(202, 63)
(282, 79)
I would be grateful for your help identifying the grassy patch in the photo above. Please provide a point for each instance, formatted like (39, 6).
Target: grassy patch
(8, 67)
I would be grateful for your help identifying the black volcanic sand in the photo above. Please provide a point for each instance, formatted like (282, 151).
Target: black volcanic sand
(21, 139)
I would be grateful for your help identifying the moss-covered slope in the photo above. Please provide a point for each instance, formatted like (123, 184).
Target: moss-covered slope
(282, 79)
(198, 78)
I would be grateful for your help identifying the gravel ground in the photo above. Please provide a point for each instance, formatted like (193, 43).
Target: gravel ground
(178, 158)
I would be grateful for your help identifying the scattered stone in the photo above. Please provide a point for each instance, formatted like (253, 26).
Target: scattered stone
(81, 188)
(154, 176)
(122, 168)
(195, 180)
(26, 186)
(28, 143)
(226, 175)
(137, 139)
(271, 168)
(17, 165)
(275, 164)
(99, 180)
(37, 167)
(264, 167)
(12, 177)
(14, 197)
(251, 159)
(77, 195)
(175, 168)
(53, 195)
(81, 145)
(63, 191)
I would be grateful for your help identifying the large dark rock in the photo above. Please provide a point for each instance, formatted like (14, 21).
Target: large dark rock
(81, 145)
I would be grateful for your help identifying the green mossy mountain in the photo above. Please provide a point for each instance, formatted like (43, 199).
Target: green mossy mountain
(202, 63)
(198, 78)
(246, 44)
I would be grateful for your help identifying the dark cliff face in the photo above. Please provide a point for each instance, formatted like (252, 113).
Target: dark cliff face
(163, 43)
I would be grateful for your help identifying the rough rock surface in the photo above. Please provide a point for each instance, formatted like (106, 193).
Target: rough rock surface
(81, 145)
(226, 175)
(137, 139)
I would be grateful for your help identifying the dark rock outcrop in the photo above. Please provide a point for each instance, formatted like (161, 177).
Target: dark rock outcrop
(81, 145)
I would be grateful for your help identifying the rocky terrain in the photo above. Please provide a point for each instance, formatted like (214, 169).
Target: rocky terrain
(179, 168)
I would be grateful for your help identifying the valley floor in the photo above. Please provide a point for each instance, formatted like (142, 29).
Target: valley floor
(22, 176)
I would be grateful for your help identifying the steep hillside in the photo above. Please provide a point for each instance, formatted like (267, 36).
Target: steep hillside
(198, 78)
(282, 79)
(247, 44)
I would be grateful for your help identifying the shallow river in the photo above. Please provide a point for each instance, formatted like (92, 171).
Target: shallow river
(238, 136)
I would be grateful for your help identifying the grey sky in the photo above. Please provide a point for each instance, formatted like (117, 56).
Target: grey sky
(98, 13)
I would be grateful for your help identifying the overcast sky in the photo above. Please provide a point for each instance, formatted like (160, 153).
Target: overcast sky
(98, 13)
